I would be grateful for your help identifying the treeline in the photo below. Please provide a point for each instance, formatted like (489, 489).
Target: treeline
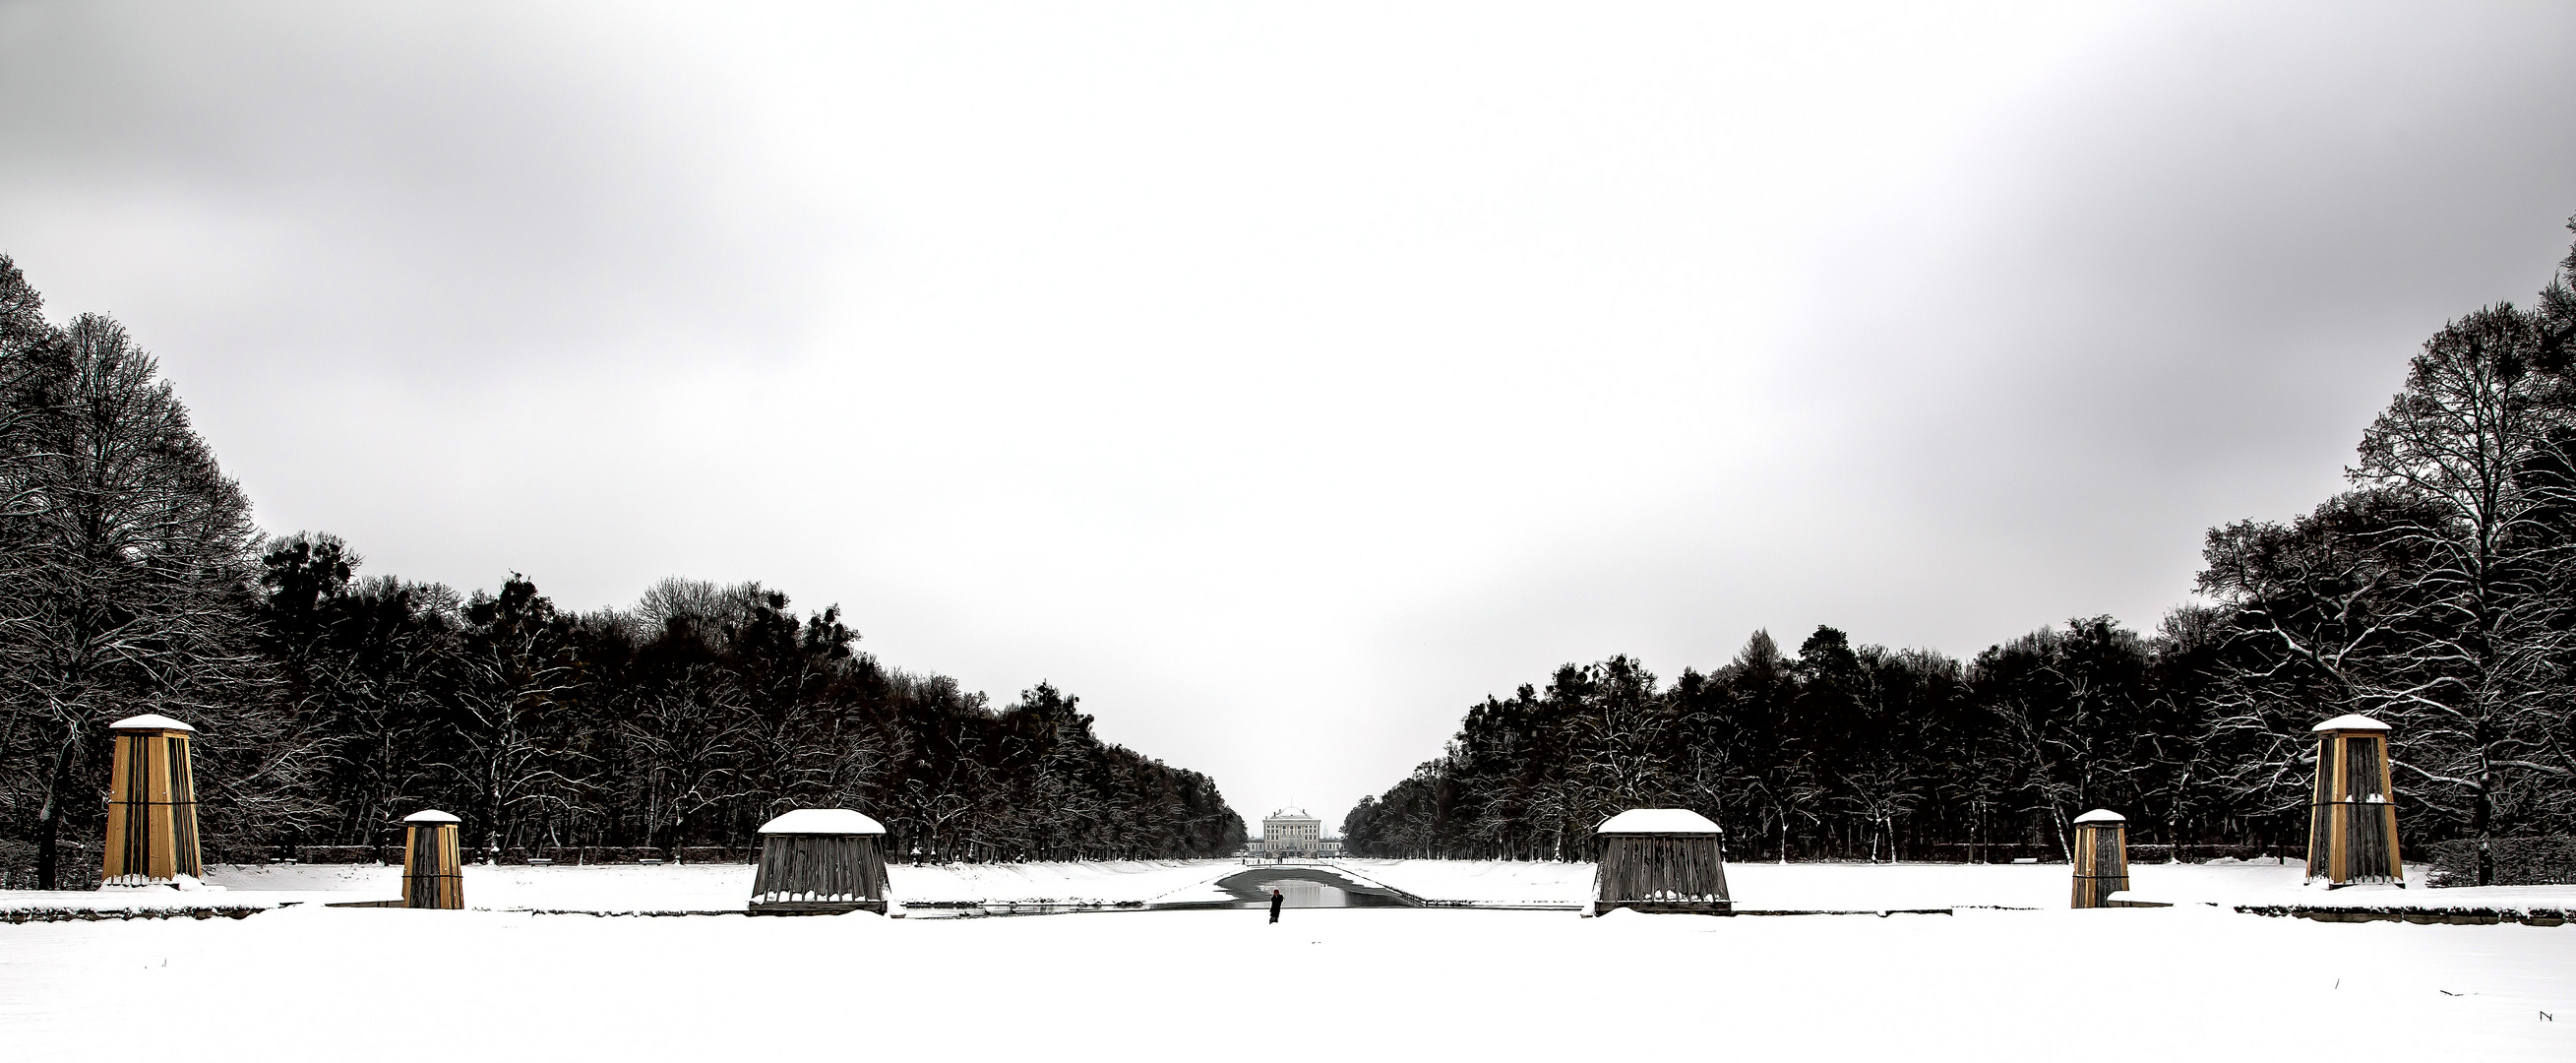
(2438, 595)
(330, 703)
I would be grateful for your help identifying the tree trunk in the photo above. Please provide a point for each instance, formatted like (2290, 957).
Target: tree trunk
(49, 820)
(2482, 815)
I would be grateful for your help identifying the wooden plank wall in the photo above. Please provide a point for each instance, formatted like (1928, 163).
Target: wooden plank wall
(819, 873)
(1672, 872)
(433, 868)
(151, 810)
(2101, 863)
(2352, 834)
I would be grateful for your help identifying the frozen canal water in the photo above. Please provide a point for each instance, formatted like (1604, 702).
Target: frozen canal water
(1304, 887)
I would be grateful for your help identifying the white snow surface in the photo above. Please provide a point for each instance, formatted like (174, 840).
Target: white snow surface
(2350, 721)
(1883, 887)
(1658, 821)
(147, 722)
(726, 886)
(162, 897)
(431, 815)
(823, 821)
(1985, 983)
(1497, 883)
(2101, 815)
(2181, 983)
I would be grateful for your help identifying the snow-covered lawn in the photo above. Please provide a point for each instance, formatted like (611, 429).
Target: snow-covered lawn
(1802, 887)
(1805, 887)
(727, 887)
(664, 888)
(1879, 887)
(1368, 984)
(1834, 886)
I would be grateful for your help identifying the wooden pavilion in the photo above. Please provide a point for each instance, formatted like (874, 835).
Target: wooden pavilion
(2352, 824)
(1661, 860)
(151, 805)
(433, 869)
(2101, 857)
(820, 861)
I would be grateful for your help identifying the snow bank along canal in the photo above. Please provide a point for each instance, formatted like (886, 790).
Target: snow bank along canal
(932, 891)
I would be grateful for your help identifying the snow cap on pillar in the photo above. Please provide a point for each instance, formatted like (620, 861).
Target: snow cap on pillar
(2350, 721)
(823, 821)
(2101, 815)
(1657, 821)
(430, 816)
(150, 721)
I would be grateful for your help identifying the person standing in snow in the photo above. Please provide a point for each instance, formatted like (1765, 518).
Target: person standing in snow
(1276, 899)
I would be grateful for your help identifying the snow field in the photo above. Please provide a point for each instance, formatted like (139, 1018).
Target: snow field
(727, 887)
(1880, 887)
(1391, 984)
(1805, 887)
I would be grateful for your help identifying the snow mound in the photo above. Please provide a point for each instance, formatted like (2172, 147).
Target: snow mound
(822, 821)
(150, 721)
(2350, 721)
(1658, 821)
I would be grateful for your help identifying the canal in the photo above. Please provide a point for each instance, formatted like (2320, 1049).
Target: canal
(1305, 887)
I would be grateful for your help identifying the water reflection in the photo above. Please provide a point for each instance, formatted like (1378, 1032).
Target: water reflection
(1304, 889)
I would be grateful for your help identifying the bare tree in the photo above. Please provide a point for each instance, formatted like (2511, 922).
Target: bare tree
(685, 742)
(1882, 790)
(128, 588)
(2478, 437)
(1617, 739)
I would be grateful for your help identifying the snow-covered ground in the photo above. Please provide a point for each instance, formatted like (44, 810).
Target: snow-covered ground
(727, 887)
(1806, 887)
(1369, 984)
(665, 888)
(1879, 887)
(1833, 886)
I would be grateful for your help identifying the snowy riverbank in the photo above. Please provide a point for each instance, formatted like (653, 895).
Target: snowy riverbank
(661, 888)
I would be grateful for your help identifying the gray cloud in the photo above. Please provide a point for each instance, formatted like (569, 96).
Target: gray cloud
(1283, 381)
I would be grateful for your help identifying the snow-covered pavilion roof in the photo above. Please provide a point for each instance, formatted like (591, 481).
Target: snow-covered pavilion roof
(2101, 815)
(1291, 812)
(822, 821)
(2350, 721)
(431, 815)
(1657, 821)
(150, 721)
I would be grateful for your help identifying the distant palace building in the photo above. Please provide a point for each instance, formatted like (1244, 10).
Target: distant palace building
(1291, 832)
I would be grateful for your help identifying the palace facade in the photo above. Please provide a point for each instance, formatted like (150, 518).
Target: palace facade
(1291, 832)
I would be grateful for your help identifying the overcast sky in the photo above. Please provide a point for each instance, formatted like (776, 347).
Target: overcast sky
(1282, 379)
